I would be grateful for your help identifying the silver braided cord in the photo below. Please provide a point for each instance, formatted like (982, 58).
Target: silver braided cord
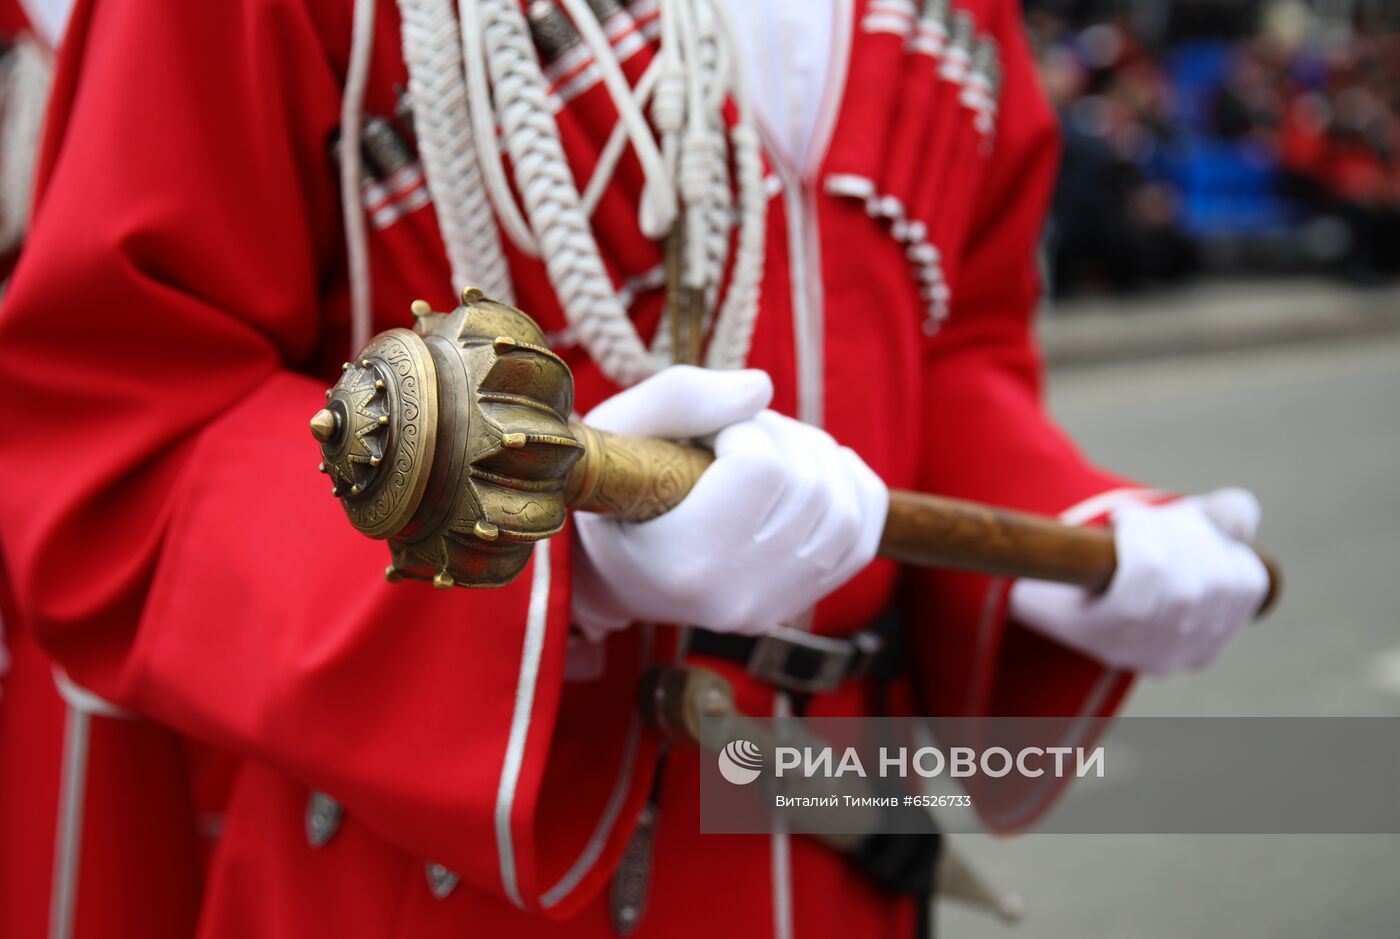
(432, 48)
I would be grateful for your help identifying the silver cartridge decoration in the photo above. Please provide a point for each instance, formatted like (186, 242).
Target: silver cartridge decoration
(959, 55)
(931, 36)
(554, 33)
(978, 91)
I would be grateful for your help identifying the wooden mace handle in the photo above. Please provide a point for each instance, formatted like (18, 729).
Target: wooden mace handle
(639, 478)
(933, 531)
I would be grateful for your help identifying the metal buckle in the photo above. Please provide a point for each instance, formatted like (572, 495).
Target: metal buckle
(775, 651)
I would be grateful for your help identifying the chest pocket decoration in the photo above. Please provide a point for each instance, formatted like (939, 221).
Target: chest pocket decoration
(915, 150)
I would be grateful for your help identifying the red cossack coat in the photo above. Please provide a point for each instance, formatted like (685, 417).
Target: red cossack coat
(227, 643)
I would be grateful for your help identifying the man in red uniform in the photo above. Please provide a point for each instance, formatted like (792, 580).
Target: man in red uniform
(271, 740)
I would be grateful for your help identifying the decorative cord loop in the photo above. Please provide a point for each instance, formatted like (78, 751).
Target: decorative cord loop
(479, 69)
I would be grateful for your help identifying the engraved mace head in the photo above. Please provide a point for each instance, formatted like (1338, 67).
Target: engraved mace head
(451, 441)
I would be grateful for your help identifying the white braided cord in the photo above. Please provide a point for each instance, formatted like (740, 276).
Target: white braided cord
(658, 198)
(718, 200)
(478, 69)
(433, 52)
(733, 333)
(552, 202)
(476, 54)
(702, 151)
(616, 144)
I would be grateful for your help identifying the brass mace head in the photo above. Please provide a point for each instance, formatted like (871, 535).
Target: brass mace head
(451, 441)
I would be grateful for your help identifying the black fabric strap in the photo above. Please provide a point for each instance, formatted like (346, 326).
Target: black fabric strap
(792, 660)
(729, 646)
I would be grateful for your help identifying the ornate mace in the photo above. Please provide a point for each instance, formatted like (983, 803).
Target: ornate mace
(452, 441)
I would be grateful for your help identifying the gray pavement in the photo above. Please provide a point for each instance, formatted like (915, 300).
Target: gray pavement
(1314, 429)
(1212, 315)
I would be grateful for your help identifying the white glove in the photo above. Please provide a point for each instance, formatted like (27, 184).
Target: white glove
(782, 518)
(1186, 581)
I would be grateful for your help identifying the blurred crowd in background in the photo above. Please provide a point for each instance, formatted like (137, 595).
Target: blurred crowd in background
(1226, 136)
(1234, 136)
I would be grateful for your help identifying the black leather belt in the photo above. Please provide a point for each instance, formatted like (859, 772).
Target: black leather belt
(792, 659)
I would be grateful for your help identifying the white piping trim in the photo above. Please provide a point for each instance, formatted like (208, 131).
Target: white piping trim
(79, 698)
(780, 851)
(1107, 502)
(1077, 514)
(807, 297)
(799, 190)
(68, 834)
(804, 248)
(536, 622)
(351, 165)
(612, 809)
(82, 706)
(833, 92)
(1034, 800)
(984, 638)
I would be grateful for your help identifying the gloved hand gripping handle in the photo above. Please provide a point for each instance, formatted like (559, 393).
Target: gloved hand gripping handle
(452, 441)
